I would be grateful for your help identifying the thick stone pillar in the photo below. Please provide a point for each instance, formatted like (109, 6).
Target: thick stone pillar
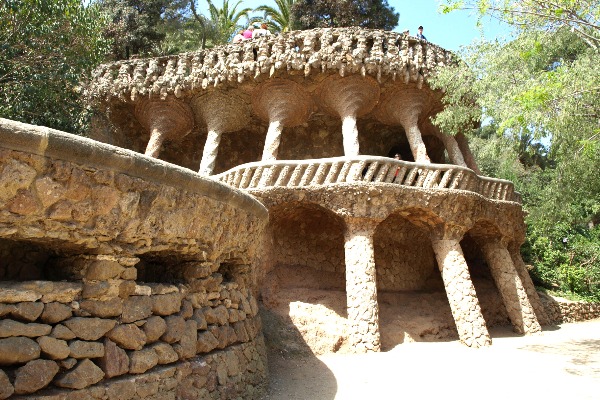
(413, 134)
(511, 289)
(464, 303)
(361, 285)
(209, 154)
(532, 295)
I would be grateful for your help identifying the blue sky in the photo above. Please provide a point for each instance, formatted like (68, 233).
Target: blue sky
(449, 31)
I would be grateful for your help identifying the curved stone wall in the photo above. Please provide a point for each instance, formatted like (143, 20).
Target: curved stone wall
(123, 277)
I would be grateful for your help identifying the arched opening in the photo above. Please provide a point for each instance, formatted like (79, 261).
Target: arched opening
(412, 301)
(492, 306)
(304, 287)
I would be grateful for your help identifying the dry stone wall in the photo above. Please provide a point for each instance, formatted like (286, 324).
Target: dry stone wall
(81, 226)
(561, 310)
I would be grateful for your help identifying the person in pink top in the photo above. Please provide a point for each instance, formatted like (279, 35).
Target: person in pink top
(248, 32)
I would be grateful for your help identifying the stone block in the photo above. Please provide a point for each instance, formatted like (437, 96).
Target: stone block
(86, 373)
(165, 353)
(187, 310)
(11, 292)
(200, 319)
(34, 375)
(89, 328)
(82, 349)
(49, 191)
(104, 269)
(55, 312)
(17, 350)
(61, 292)
(67, 363)
(62, 332)
(129, 273)
(175, 329)
(128, 336)
(154, 328)
(121, 390)
(136, 308)
(28, 311)
(9, 327)
(142, 360)
(188, 340)
(115, 361)
(54, 349)
(6, 388)
(103, 308)
(206, 342)
(6, 309)
(166, 304)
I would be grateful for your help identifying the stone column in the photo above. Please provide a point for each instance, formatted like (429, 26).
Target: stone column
(350, 135)
(510, 287)
(361, 285)
(209, 154)
(281, 103)
(532, 295)
(464, 303)
(463, 145)
(165, 119)
(349, 98)
(272, 141)
(222, 113)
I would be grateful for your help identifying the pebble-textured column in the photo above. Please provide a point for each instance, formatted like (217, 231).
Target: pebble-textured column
(404, 105)
(361, 286)
(463, 144)
(168, 119)
(450, 144)
(221, 112)
(464, 303)
(349, 98)
(281, 103)
(532, 295)
(511, 289)
(209, 154)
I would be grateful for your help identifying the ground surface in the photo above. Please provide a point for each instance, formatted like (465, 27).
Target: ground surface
(561, 363)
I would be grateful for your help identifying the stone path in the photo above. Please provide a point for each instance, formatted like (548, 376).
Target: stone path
(560, 363)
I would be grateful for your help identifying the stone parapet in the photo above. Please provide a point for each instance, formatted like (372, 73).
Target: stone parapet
(343, 50)
(370, 169)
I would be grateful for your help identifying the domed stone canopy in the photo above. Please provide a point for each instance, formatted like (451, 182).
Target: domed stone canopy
(168, 119)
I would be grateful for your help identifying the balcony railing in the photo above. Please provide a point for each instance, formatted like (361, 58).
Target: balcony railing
(331, 171)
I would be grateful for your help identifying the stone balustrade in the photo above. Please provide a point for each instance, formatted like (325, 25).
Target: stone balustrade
(346, 50)
(329, 171)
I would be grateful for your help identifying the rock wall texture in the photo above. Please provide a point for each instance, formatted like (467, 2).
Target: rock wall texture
(122, 277)
(561, 310)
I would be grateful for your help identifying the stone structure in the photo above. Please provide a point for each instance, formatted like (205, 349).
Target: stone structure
(116, 279)
(125, 276)
(307, 122)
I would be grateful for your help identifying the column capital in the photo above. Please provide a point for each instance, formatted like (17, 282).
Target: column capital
(448, 232)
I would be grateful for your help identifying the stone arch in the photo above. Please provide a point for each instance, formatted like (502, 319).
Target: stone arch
(308, 242)
(413, 305)
(490, 301)
(399, 266)
(303, 290)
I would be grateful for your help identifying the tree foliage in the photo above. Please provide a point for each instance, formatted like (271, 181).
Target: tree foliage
(47, 47)
(135, 27)
(227, 19)
(375, 14)
(539, 99)
(279, 19)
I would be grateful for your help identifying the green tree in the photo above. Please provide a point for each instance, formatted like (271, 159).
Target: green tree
(47, 48)
(376, 14)
(135, 27)
(542, 86)
(227, 19)
(279, 19)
